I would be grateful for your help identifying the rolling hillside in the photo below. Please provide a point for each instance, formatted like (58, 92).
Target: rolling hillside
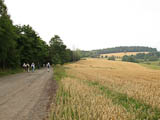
(122, 49)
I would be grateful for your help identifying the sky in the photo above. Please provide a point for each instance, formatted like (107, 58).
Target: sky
(91, 24)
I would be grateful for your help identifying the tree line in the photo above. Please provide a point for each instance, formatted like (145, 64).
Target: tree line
(127, 49)
(142, 57)
(96, 53)
(19, 44)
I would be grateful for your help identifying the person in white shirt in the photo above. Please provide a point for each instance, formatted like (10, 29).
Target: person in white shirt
(48, 66)
(24, 66)
(33, 67)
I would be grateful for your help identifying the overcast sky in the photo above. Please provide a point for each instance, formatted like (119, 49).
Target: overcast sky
(91, 24)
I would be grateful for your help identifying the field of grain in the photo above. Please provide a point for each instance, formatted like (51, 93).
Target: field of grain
(120, 55)
(98, 89)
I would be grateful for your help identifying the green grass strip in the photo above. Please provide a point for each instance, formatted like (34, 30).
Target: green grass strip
(10, 71)
(63, 98)
(59, 72)
(142, 110)
(150, 66)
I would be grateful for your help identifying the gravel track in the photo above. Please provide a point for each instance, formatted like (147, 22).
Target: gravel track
(26, 96)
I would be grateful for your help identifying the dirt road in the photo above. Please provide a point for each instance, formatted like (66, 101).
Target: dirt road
(26, 96)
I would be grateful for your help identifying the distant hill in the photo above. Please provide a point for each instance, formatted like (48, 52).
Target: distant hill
(95, 53)
(120, 54)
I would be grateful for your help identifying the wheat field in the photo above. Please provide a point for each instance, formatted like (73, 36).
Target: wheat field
(120, 55)
(98, 89)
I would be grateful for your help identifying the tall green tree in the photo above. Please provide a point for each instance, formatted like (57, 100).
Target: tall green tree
(56, 46)
(19, 44)
(8, 52)
(59, 53)
(31, 47)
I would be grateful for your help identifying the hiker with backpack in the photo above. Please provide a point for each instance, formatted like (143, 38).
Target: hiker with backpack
(48, 66)
(33, 67)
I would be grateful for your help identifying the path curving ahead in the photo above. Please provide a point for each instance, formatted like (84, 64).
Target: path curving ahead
(26, 96)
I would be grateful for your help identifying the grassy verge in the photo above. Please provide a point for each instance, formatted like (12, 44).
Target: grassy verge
(59, 72)
(10, 71)
(62, 95)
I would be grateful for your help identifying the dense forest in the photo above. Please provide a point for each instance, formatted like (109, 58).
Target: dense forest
(19, 44)
(96, 53)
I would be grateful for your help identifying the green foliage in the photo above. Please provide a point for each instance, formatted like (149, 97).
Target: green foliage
(57, 49)
(111, 58)
(153, 56)
(22, 44)
(59, 72)
(129, 59)
(10, 71)
(96, 53)
(30, 46)
(8, 44)
(126, 49)
(3, 8)
(141, 57)
(59, 53)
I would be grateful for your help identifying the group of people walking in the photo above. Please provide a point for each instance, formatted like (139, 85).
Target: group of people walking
(27, 66)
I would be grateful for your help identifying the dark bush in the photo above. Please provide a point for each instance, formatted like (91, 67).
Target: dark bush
(111, 58)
